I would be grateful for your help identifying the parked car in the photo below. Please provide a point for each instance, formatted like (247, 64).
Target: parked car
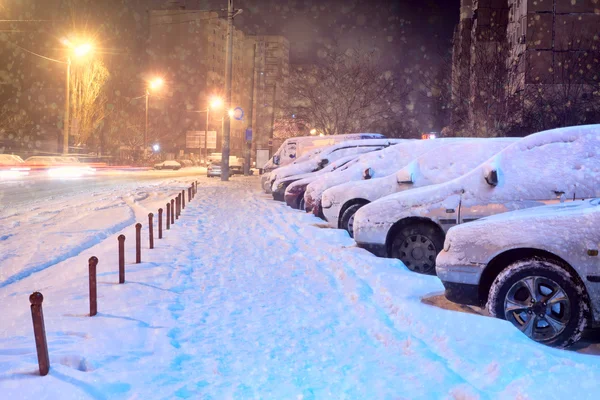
(330, 154)
(213, 169)
(294, 148)
(439, 165)
(168, 164)
(537, 268)
(236, 164)
(369, 166)
(280, 186)
(536, 170)
(186, 163)
(265, 179)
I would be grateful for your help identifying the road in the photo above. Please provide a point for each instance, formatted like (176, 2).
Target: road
(35, 189)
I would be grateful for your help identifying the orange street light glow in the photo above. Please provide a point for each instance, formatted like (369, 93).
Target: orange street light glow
(156, 83)
(216, 102)
(82, 49)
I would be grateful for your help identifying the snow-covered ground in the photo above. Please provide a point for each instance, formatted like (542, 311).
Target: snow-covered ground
(245, 298)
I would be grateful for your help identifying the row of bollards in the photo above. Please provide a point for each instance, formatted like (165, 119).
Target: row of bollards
(173, 211)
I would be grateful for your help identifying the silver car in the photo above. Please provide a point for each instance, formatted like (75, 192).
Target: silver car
(537, 268)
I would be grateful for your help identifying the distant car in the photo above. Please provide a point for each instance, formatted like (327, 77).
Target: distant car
(439, 165)
(169, 164)
(537, 268)
(213, 169)
(59, 166)
(185, 163)
(539, 169)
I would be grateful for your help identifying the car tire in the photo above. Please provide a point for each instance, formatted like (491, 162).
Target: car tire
(562, 323)
(347, 220)
(417, 245)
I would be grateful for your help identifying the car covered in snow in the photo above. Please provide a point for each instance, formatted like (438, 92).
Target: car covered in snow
(439, 165)
(537, 268)
(369, 166)
(280, 185)
(539, 169)
(329, 154)
(265, 179)
(168, 164)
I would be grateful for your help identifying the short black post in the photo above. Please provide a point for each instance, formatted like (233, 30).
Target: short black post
(183, 199)
(138, 243)
(168, 216)
(172, 211)
(121, 239)
(39, 331)
(190, 194)
(160, 212)
(92, 263)
(177, 205)
(151, 230)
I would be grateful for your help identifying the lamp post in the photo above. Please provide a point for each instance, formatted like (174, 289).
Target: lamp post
(154, 84)
(79, 51)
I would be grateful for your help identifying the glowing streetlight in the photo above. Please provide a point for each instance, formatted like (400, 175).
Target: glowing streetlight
(82, 49)
(313, 131)
(156, 147)
(216, 102)
(231, 113)
(154, 84)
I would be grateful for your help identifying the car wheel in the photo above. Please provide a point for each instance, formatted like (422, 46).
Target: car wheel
(542, 299)
(417, 246)
(347, 221)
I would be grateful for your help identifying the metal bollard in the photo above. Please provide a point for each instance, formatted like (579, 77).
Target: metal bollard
(195, 188)
(160, 212)
(39, 331)
(177, 205)
(92, 264)
(138, 243)
(183, 199)
(151, 230)
(121, 240)
(190, 194)
(168, 216)
(172, 211)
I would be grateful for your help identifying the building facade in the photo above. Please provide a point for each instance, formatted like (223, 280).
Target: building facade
(188, 47)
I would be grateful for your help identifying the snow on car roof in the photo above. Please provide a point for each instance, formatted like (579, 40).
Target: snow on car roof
(564, 159)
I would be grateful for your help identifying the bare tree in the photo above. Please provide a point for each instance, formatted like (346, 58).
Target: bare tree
(88, 99)
(346, 92)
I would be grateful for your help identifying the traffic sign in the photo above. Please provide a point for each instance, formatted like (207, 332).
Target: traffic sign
(238, 113)
(248, 134)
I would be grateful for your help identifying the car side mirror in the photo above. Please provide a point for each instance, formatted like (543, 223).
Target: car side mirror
(492, 178)
(404, 178)
(276, 160)
(367, 173)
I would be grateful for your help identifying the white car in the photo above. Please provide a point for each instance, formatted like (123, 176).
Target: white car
(439, 165)
(538, 169)
(537, 268)
(168, 164)
(330, 154)
(265, 179)
(370, 166)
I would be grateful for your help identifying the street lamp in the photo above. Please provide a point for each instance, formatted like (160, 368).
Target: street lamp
(313, 131)
(154, 84)
(78, 51)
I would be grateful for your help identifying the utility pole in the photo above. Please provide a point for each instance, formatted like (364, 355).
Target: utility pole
(250, 114)
(206, 136)
(146, 127)
(66, 121)
(228, 71)
(273, 118)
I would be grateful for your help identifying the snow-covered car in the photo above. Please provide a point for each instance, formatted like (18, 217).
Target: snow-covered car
(368, 166)
(439, 165)
(329, 154)
(213, 169)
(168, 164)
(280, 185)
(536, 170)
(537, 268)
(265, 179)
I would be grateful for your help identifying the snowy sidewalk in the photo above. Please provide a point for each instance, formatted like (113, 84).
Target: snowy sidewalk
(246, 298)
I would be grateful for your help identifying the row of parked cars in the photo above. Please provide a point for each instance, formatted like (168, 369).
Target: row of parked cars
(512, 224)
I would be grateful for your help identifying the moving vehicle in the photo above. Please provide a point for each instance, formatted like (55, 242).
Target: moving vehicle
(369, 166)
(293, 148)
(12, 166)
(439, 165)
(59, 166)
(539, 169)
(168, 164)
(236, 164)
(537, 268)
(329, 154)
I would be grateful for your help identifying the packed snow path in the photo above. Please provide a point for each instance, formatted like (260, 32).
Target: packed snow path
(245, 298)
